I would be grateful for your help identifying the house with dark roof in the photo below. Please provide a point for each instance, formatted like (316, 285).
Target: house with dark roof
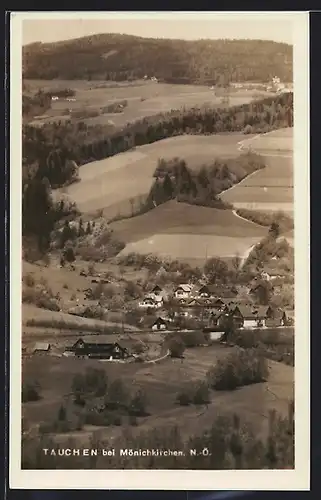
(275, 317)
(156, 290)
(159, 324)
(99, 350)
(245, 316)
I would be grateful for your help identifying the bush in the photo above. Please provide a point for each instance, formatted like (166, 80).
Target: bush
(241, 367)
(69, 254)
(41, 297)
(201, 394)
(30, 392)
(184, 398)
(138, 348)
(98, 419)
(246, 339)
(29, 280)
(193, 339)
(176, 347)
(138, 404)
(93, 382)
(133, 420)
(117, 395)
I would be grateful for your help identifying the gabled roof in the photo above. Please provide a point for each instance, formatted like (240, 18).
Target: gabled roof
(98, 346)
(149, 322)
(276, 313)
(185, 287)
(42, 346)
(249, 312)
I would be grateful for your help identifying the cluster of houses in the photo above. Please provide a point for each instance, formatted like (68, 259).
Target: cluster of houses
(190, 301)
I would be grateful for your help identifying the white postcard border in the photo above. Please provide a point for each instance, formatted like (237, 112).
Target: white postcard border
(297, 479)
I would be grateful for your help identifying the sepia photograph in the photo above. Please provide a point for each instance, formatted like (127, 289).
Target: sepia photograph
(159, 250)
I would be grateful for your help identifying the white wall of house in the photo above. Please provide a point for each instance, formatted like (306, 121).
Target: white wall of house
(250, 323)
(159, 327)
(181, 294)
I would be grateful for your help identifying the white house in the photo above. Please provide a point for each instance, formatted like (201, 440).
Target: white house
(151, 301)
(183, 291)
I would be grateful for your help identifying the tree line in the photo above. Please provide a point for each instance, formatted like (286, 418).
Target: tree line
(175, 180)
(54, 146)
(123, 57)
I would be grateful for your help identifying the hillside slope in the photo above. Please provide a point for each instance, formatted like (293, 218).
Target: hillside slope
(122, 57)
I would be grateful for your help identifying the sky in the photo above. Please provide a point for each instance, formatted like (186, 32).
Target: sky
(183, 26)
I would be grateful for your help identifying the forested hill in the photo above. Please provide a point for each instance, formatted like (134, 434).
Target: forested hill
(124, 57)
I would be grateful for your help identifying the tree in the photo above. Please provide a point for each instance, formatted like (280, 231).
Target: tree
(132, 205)
(69, 254)
(88, 228)
(215, 269)
(236, 262)
(81, 230)
(138, 403)
(202, 177)
(62, 413)
(168, 187)
(176, 347)
(274, 230)
(66, 234)
(201, 394)
(117, 394)
(30, 392)
(93, 382)
(263, 292)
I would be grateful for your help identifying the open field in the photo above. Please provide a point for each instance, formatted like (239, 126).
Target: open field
(192, 248)
(188, 232)
(161, 383)
(109, 184)
(144, 99)
(272, 187)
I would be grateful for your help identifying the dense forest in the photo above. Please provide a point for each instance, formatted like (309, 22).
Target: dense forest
(58, 148)
(175, 180)
(124, 57)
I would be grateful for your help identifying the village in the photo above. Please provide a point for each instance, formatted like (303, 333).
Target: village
(159, 305)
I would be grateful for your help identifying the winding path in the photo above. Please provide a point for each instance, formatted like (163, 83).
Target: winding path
(242, 146)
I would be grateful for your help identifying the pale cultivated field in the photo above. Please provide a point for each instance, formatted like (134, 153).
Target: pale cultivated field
(110, 183)
(181, 218)
(272, 187)
(188, 232)
(144, 99)
(192, 247)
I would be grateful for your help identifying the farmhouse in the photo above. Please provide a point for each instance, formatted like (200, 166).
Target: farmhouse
(249, 317)
(151, 301)
(275, 317)
(99, 350)
(183, 291)
(157, 290)
(201, 291)
(159, 324)
(41, 347)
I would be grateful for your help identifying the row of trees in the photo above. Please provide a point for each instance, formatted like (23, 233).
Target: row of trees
(174, 180)
(58, 148)
(124, 57)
